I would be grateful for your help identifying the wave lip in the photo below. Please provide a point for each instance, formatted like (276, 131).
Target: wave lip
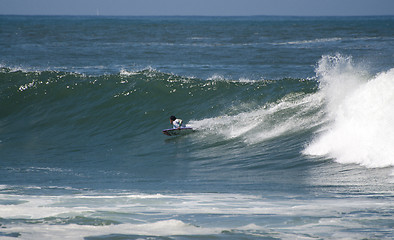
(360, 113)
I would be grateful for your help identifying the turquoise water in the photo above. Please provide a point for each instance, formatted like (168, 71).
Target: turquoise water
(293, 120)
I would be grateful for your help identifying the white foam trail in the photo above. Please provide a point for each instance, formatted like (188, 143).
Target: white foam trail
(293, 113)
(361, 111)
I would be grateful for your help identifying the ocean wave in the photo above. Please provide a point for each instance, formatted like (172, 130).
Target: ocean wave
(350, 107)
(76, 114)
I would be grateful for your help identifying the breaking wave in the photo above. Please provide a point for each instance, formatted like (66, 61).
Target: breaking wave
(360, 114)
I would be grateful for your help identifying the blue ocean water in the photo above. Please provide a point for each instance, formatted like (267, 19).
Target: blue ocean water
(293, 117)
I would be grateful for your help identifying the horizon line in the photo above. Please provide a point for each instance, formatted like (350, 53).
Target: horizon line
(109, 15)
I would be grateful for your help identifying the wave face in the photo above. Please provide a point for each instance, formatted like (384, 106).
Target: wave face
(77, 100)
(57, 106)
(350, 107)
(343, 114)
(360, 114)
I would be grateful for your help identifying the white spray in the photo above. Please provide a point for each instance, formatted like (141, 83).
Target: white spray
(361, 114)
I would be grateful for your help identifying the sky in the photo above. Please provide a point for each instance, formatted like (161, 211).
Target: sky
(198, 7)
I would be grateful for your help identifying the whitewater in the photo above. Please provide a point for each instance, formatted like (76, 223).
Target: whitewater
(292, 117)
(360, 114)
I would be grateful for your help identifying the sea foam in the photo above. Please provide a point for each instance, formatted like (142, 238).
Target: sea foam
(131, 215)
(360, 111)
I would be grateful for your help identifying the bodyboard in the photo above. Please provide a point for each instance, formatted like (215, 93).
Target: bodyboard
(177, 131)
